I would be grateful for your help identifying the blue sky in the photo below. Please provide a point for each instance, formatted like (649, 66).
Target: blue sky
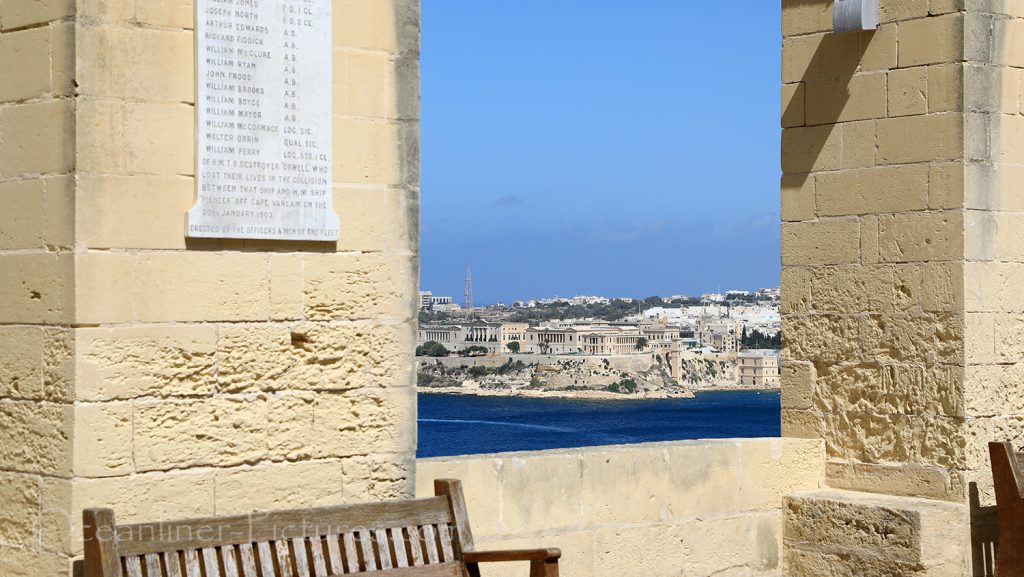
(599, 147)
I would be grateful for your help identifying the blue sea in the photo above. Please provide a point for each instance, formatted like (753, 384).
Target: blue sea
(463, 425)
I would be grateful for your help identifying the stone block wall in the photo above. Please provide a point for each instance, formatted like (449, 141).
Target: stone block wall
(899, 241)
(695, 508)
(169, 377)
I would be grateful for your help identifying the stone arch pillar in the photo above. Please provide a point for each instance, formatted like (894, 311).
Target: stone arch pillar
(902, 260)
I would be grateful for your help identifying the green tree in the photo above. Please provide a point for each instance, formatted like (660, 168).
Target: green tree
(513, 346)
(473, 351)
(544, 347)
(641, 344)
(432, 349)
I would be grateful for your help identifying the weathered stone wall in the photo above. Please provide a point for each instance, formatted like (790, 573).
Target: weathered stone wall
(695, 508)
(899, 241)
(168, 377)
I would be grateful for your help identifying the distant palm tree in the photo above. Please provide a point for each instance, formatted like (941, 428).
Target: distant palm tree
(641, 344)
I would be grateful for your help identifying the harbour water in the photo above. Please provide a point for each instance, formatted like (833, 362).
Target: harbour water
(463, 425)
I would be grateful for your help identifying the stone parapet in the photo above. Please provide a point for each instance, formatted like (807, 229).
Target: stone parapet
(700, 508)
(850, 534)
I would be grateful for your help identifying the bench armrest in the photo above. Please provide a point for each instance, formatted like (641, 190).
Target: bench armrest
(548, 555)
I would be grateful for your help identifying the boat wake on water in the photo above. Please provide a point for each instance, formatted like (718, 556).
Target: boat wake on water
(499, 424)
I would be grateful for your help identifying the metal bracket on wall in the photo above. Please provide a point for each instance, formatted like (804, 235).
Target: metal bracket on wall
(855, 15)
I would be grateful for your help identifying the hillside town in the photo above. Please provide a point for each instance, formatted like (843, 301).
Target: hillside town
(714, 341)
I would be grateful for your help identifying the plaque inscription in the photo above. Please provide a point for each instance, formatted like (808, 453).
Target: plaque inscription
(263, 112)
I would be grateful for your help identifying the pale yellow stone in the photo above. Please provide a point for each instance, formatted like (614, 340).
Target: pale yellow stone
(366, 151)
(797, 296)
(346, 424)
(171, 13)
(481, 479)
(365, 84)
(910, 237)
(21, 362)
(160, 138)
(920, 138)
(851, 288)
(859, 144)
(286, 286)
(945, 88)
(103, 288)
(133, 211)
(896, 10)
(869, 240)
(834, 241)
(860, 97)
(798, 197)
(932, 40)
(31, 77)
(209, 286)
(62, 58)
(879, 48)
(381, 477)
(873, 190)
(37, 138)
(793, 104)
(388, 26)
(376, 219)
(15, 562)
(802, 17)
(270, 487)
(139, 63)
(100, 136)
(103, 440)
(797, 379)
(22, 214)
(26, 12)
(908, 91)
(898, 480)
(129, 362)
(198, 432)
(358, 287)
(811, 148)
(36, 287)
(37, 437)
(19, 518)
(770, 469)
(542, 492)
(820, 56)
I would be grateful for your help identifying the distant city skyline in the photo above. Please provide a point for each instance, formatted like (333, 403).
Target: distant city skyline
(585, 147)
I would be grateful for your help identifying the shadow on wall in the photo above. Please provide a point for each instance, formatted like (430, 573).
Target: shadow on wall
(818, 90)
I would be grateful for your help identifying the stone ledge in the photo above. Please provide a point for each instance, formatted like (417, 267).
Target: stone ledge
(833, 532)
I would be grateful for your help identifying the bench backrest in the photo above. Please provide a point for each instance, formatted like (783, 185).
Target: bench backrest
(422, 537)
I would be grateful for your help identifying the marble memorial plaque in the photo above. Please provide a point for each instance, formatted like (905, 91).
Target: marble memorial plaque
(263, 112)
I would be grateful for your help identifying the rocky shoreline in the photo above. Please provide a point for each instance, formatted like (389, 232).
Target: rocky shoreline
(564, 394)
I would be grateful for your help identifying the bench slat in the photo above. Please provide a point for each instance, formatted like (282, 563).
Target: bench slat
(227, 555)
(153, 567)
(173, 562)
(445, 533)
(401, 559)
(133, 566)
(266, 558)
(284, 561)
(301, 559)
(383, 549)
(366, 544)
(248, 560)
(316, 547)
(196, 533)
(414, 545)
(351, 554)
(334, 554)
(210, 562)
(192, 564)
(430, 541)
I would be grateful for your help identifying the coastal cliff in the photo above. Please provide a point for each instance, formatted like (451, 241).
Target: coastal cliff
(611, 377)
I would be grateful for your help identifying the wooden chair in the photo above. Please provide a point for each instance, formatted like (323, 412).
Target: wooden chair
(1009, 485)
(416, 538)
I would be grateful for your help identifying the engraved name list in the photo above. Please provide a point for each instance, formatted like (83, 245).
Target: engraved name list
(263, 111)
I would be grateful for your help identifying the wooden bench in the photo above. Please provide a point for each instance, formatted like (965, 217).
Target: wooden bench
(1008, 478)
(419, 538)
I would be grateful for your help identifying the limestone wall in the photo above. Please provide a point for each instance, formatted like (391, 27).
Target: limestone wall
(900, 241)
(695, 508)
(168, 377)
